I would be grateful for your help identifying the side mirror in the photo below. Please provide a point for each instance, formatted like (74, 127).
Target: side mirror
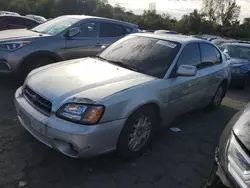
(225, 51)
(73, 31)
(187, 70)
(103, 47)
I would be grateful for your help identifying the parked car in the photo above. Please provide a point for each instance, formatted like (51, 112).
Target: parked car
(37, 18)
(165, 32)
(9, 13)
(63, 38)
(15, 22)
(240, 62)
(219, 42)
(232, 158)
(118, 99)
(198, 37)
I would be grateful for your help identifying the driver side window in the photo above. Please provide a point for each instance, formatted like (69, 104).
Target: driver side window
(89, 30)
(190, 56)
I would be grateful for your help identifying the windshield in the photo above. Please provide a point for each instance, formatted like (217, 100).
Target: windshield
(240, 52)
(145, 55)
(55, 26)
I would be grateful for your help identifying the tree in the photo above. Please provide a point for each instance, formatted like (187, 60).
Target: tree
(225, 12)
(246, 21)
(228, 12)
(209, 9)
(218, 17)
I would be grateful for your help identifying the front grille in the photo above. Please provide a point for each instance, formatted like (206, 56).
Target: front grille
(39, 102)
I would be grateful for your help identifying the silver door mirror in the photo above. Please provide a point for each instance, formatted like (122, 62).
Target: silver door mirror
(187, 70)
(225, 51)
(103, 47)
(73, 31)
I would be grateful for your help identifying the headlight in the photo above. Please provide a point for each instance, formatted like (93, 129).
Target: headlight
(81, 113)
(238, 163)
(237, 157)
(13, 46)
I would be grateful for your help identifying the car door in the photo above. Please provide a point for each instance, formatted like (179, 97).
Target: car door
(84, 44)
(110, 33)
(3, 24)
(212, 67)
(187, 93)
(15, 23)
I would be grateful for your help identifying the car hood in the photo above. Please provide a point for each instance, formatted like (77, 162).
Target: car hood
(242, 128)
(82, 80)
(236, 62)
(18, 34)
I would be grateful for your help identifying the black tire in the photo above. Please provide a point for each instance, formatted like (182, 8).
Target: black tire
(32, 64)
(218, 96)
(123, 148)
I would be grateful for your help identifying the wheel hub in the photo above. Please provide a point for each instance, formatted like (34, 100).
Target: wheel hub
(140, 132)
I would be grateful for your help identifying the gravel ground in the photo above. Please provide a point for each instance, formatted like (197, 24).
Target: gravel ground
(176, 159)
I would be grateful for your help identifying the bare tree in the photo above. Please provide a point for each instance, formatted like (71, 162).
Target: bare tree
(225, 12)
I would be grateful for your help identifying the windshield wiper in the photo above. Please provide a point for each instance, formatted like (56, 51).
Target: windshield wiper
(119, 63)
(101, 58)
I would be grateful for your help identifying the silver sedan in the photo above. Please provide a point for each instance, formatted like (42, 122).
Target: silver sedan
(117, 100)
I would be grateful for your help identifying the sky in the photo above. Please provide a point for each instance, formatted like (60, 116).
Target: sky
(176, 8)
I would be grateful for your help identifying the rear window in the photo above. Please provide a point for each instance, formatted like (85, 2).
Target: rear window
(146, 55)
(111, 30)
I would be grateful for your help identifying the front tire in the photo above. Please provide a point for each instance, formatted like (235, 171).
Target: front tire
(137, 133)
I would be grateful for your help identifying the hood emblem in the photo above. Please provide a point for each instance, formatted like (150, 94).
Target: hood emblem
(33, 98)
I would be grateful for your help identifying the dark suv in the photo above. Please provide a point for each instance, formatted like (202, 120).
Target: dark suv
(16, 22)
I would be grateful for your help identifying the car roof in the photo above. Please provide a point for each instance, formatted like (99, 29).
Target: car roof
(80, 17)
(8, 15)
(183, 39)
(238, 44)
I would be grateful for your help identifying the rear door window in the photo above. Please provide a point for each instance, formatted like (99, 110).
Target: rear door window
(111, 30)
(30, 23)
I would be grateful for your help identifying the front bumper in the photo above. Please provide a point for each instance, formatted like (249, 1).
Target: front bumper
(71, 139)
(219, 176)
(8, 62)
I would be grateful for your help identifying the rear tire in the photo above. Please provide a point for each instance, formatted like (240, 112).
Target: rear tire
(218, 96)
(133, 134)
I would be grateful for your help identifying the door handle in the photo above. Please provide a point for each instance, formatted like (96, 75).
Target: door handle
(199, 81)
(98, 44)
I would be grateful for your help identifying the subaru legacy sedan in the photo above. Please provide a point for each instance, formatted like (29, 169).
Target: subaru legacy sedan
(118, 99)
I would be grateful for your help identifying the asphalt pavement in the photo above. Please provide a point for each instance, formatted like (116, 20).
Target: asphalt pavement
(175, 160)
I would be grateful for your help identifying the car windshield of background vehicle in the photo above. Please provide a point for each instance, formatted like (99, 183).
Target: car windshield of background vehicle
(240, 52)
(143, 54)
(55, 26)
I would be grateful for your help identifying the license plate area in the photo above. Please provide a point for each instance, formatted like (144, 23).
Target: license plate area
(25, 118)
(32, 123)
